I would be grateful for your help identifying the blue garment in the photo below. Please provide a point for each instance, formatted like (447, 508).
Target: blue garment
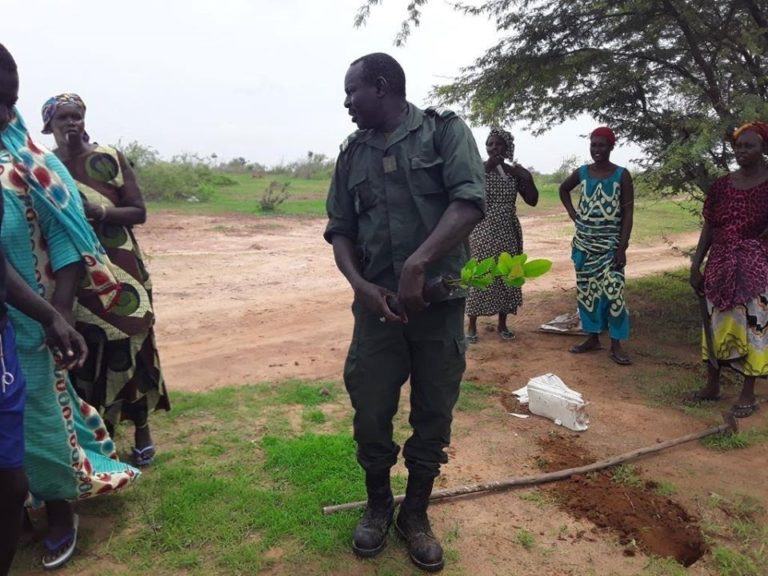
(13, 393)
(599, 284)
(68, 452)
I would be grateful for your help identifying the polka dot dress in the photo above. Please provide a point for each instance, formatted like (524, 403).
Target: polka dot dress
(498, 232)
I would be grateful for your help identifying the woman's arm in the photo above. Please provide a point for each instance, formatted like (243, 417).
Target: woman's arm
(58, 333)
(528, 189)
(702, 247)
(130, 209)
(67, 279)
(565, 194)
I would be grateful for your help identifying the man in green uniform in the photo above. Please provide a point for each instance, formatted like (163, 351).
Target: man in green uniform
(407, 190)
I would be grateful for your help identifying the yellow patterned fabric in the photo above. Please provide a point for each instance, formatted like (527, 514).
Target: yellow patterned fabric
(132, 314)
(740, 336)
(123, 367)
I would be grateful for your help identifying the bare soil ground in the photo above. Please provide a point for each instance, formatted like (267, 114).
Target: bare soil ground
(243, 300)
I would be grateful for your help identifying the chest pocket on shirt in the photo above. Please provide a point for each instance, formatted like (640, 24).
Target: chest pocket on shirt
(359, 186)
(426, 175)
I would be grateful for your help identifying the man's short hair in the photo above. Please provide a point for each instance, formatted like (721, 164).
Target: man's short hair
(381, 65)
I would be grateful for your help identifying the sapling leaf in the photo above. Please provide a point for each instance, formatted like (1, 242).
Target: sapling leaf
(536, 268)
(516, 282)
(482, 282)
(485, 266)
(519, 259)
(517, 271)
(468, 270)
(504, 264)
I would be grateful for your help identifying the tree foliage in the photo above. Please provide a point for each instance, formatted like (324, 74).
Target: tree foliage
(673, 76)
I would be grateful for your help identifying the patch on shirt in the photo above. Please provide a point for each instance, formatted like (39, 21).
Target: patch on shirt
(390, 164)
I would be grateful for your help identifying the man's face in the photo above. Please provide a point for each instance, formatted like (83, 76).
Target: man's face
(364, 101)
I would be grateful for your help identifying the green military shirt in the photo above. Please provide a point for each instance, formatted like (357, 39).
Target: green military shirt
(388, 192)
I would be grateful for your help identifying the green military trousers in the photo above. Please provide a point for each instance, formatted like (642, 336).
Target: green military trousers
(382, 356)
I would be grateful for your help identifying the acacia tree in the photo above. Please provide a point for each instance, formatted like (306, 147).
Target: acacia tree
(673, 76)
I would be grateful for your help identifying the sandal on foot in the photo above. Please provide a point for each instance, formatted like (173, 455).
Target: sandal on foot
(143, 456)
(63, 548)
(698, 397)
(745, 410)
(585, 347)
(507, 335)
(471, 338)
(621, 360)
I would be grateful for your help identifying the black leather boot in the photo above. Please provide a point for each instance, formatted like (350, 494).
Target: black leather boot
(413, 525)
(371, 532)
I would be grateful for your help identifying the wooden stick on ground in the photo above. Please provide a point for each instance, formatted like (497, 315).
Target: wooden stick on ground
(728, 427)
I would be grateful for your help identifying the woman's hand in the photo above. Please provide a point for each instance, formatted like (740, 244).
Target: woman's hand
(697, 280)
(492, 162)
(619, 258)
(66, 343)
(93, 211)
(519, 172)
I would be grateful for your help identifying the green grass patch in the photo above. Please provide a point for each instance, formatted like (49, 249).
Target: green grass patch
(549, 201)
(237, 487)
(732, 562)
(305, 394)
(741, 439)
(656, 219)
(475, 397)
(538, 497)
(663, 567)
(653, 218)
(626, 474)
(315, 417)
(736, 528)
(664, 488)
(525, 538)
(306, 198)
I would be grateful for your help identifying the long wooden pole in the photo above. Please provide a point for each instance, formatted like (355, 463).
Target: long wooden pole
(728, 427)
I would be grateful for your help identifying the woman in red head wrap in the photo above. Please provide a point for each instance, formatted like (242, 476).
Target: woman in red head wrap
(603, 224)
(735, 279)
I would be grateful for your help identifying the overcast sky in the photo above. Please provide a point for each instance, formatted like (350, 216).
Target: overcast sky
(262, 79)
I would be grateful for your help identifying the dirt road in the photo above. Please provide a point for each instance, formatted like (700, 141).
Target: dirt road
(241, 299)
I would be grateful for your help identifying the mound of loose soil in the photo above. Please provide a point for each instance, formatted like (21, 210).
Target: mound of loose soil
(656, 524)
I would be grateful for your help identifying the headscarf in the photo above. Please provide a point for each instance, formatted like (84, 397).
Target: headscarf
(606, 133)
(760, 128)
(508, 139)
(49, 182)
(53, 103)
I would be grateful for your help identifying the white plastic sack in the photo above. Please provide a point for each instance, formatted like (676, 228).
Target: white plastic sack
(548, 396)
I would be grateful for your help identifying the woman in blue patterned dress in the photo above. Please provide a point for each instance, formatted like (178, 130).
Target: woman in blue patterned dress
(49, 244)
(603, 225)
